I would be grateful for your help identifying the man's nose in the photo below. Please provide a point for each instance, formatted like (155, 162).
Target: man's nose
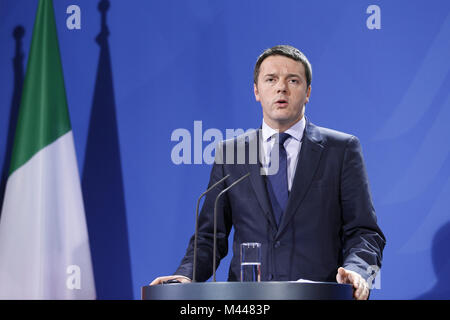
(281, 87)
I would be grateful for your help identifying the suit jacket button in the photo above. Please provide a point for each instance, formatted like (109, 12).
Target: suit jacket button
(277, 244)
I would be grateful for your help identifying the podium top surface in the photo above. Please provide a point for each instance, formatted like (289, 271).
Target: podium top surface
(267, 290)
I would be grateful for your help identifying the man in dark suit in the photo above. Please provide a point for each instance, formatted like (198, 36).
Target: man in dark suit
(314, 215)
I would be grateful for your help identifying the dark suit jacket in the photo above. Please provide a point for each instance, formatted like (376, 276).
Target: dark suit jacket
(329, 220)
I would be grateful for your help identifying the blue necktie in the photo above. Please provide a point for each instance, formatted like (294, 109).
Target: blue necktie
(277, 184)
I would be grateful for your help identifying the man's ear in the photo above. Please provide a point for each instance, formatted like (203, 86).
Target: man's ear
(256, 92)
(308, 93)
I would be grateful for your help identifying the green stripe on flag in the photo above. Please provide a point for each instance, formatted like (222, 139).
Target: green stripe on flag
(43, 115)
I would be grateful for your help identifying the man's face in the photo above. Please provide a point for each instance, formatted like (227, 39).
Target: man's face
(282, 91)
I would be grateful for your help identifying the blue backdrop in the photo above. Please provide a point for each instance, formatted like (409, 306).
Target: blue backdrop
(136, 71)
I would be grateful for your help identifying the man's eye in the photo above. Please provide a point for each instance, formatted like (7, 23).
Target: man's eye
(294, 81)
(269, 79)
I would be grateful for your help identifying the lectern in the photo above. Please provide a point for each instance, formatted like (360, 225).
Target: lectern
(270, 290)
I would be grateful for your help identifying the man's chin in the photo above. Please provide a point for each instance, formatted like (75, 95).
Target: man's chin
(287, 120)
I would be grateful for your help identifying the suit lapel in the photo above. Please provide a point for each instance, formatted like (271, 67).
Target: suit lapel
(307, 163)
(257, 179)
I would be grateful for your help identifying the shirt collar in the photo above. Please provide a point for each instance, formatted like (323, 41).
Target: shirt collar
(296, 131)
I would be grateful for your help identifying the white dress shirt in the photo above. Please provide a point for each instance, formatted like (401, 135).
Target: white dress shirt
(292, 145)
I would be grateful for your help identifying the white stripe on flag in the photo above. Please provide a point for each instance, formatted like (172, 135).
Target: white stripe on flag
(44, 246)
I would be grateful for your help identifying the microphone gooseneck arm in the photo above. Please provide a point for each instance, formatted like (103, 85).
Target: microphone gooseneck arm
(215, 220)
(196, 224)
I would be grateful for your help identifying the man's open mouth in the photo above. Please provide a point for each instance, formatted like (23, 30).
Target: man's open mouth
(281, 102)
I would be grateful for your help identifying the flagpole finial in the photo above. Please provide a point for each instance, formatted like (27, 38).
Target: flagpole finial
(18, 32)
(103, 6)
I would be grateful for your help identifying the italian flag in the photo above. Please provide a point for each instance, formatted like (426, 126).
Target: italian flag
(44, 245)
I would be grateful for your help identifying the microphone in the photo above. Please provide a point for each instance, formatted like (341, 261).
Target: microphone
(196, 224)
(215, 220)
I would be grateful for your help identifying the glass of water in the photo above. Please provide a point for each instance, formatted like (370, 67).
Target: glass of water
(251, 261)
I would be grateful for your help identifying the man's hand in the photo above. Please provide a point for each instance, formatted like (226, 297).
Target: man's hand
(160, 280)
(360, 286)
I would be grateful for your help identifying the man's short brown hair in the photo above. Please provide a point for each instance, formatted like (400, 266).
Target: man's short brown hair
(287, 51)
